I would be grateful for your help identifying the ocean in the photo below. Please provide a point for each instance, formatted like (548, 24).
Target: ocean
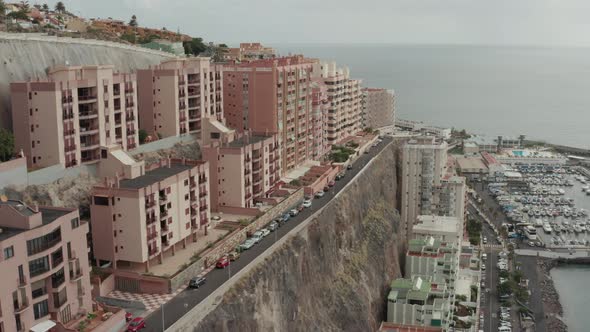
(543, 93)
(570, 282)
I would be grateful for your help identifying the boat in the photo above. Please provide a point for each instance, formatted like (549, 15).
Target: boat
(547, 228)
(561, 191)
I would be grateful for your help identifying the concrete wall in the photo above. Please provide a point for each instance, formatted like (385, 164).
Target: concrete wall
(164, 143)
(233, 240)
(27, 56)
(53, 173)
(13, 173)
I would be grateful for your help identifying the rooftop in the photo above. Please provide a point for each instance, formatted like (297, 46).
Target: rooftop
(49, 215)
(241, 142)
(437, 224)
(20, 207)
(154, 176)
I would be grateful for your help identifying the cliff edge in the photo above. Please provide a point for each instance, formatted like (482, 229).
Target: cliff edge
(333, 275)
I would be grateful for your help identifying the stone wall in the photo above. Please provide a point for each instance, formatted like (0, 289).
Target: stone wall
(13, 173)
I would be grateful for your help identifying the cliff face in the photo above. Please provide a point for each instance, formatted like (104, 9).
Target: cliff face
(334, 274)
(23, 59)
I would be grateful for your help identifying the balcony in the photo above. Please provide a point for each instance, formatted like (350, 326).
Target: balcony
(164, 228)
(204, 221)
(129, 90)
(163, 214)
(152, 235)
(163, 199)
(75, 274)
(22, 306)
(89, 146)
(130, 132)
(68, 115)
(193, 184)
(181, 82)
(202, 179)
(202, 194)
(21, 281)
(149, 204)
(70, 148)
(150, 220)
(87, 99)
(89, 130)
(87, 115)
(81, 291)
(130, 118)
(72, 256)
(153, 251)
(181, 94)
(203, 207)
(67, 100)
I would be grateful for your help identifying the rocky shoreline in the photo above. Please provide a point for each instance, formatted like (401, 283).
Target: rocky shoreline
(551, 305)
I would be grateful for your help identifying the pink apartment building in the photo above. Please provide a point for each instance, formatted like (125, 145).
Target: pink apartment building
(67, 118)
(378, 108)
(176, 96)
(273, 96)
(344, 116)
(249, 52)
(43, 265)
(319, 111)
(137, 218)
(243, 171)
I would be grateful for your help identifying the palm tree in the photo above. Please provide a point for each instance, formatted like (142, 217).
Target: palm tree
(2, 10)
(45, 7)
(60, 7)
(133, 21)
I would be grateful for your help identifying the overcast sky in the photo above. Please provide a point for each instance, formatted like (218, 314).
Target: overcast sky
(498, 22)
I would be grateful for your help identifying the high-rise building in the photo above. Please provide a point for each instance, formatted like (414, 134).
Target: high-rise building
(136, 219)
(424, 163)
(243, 171)
(378, 108)
(176, 96)
(319, 116)
(273, 96)
(67, 118)
(344, 97)
(43, 265)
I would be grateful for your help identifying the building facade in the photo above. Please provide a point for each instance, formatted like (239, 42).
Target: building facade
(43, 265)
(319, 117)
(67, 118)
(378, 108)
(424, 162)
(344, 116)
(136, 220)
(249, 52)
(178, 95)
(243, 171)
(273, 96)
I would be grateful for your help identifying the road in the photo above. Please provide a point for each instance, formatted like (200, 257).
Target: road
(189, 298)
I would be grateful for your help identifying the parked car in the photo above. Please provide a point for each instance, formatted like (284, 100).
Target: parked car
(300, 207)
(307, 203)
(331, 184)
(367, 151)
(264, 232)
(196, 282)
(339, 176)
(375, 144)
(257, 237)
(136, 324)
(326, 189)
(234, 255)
(286, 217)
(273, 226)
(222, 262)
(319, 194)
(247, 244)
(293, 212)
(349, 166)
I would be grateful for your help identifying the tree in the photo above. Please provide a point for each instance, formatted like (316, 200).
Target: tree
(60, 7)
(18, 15)
(194, 47)
(223, 45)
(45, 7)
(6, 145)
(133, 21)
(142, 136)
(2, 10)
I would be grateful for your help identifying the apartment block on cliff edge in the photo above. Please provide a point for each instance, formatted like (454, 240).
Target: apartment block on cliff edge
(249, 52)
(65, 119)
(378, 108)
(273, 96)
(43, 266)
(243, 171)
(141, 215)
(178, 95)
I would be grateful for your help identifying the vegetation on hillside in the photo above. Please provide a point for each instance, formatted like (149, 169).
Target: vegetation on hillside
(6, 145)
(340, 153)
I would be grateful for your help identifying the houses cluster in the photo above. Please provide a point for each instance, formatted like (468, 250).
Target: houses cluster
(258, 122)
(28, 17)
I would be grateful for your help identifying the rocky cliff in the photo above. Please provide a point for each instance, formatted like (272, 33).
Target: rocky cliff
(28, 56)
(334, 274)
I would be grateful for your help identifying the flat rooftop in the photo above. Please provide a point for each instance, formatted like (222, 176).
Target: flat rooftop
(21, 207)
(471, 163)
(49, 215)
(240, 142)
(154, 176)
(437, 224)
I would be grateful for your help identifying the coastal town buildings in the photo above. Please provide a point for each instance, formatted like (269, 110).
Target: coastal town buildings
(243, 171)
(144, 212)
(421, 127)
(43, 265)
(178, 95)
(273, 96)
(320, 105)
(249, 52)
(424, 162)
(378, 108)
(65, 119)
(344, 116)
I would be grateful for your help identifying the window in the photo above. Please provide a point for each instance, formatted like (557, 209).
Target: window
(58, 278)
(39, 266)
(60, 298)
(8, 252)
(41, 309)
(100, 200)
(44, 242)
(75, 223)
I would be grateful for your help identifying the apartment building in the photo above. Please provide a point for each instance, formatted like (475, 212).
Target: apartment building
(432, 257)
(43, 265)
(176, 96)
(378, 108)
(450, 198)
(424, 163)
(319, 116)
(243, 171)
(446, 229)
(249, 52)
(140, 217)
(344, 116)
(273, 96)
(65, 119)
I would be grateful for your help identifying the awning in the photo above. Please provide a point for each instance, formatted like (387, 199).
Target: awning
(43, 326)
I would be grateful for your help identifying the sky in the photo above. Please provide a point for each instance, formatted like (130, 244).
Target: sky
(498, 22)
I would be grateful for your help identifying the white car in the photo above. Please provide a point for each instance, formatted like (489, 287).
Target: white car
(265, 232)
(257, 237)
(307, 203)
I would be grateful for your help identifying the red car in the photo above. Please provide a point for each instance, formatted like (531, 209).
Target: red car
(331, 184)
(128, 316)
(136, 324)
(222, 262)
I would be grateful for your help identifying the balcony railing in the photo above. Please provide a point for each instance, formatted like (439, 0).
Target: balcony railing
(202, 179)
(150, 220)
(152, 236)
(68, 115)
(21, 306)
(21, 281)
(75, 274)
(149, 204)
(203, 207)
(246, 171)
(153, 251)
(163, 214)
(86, 98)
(204, 221)
(129, 90)
(202, 194)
